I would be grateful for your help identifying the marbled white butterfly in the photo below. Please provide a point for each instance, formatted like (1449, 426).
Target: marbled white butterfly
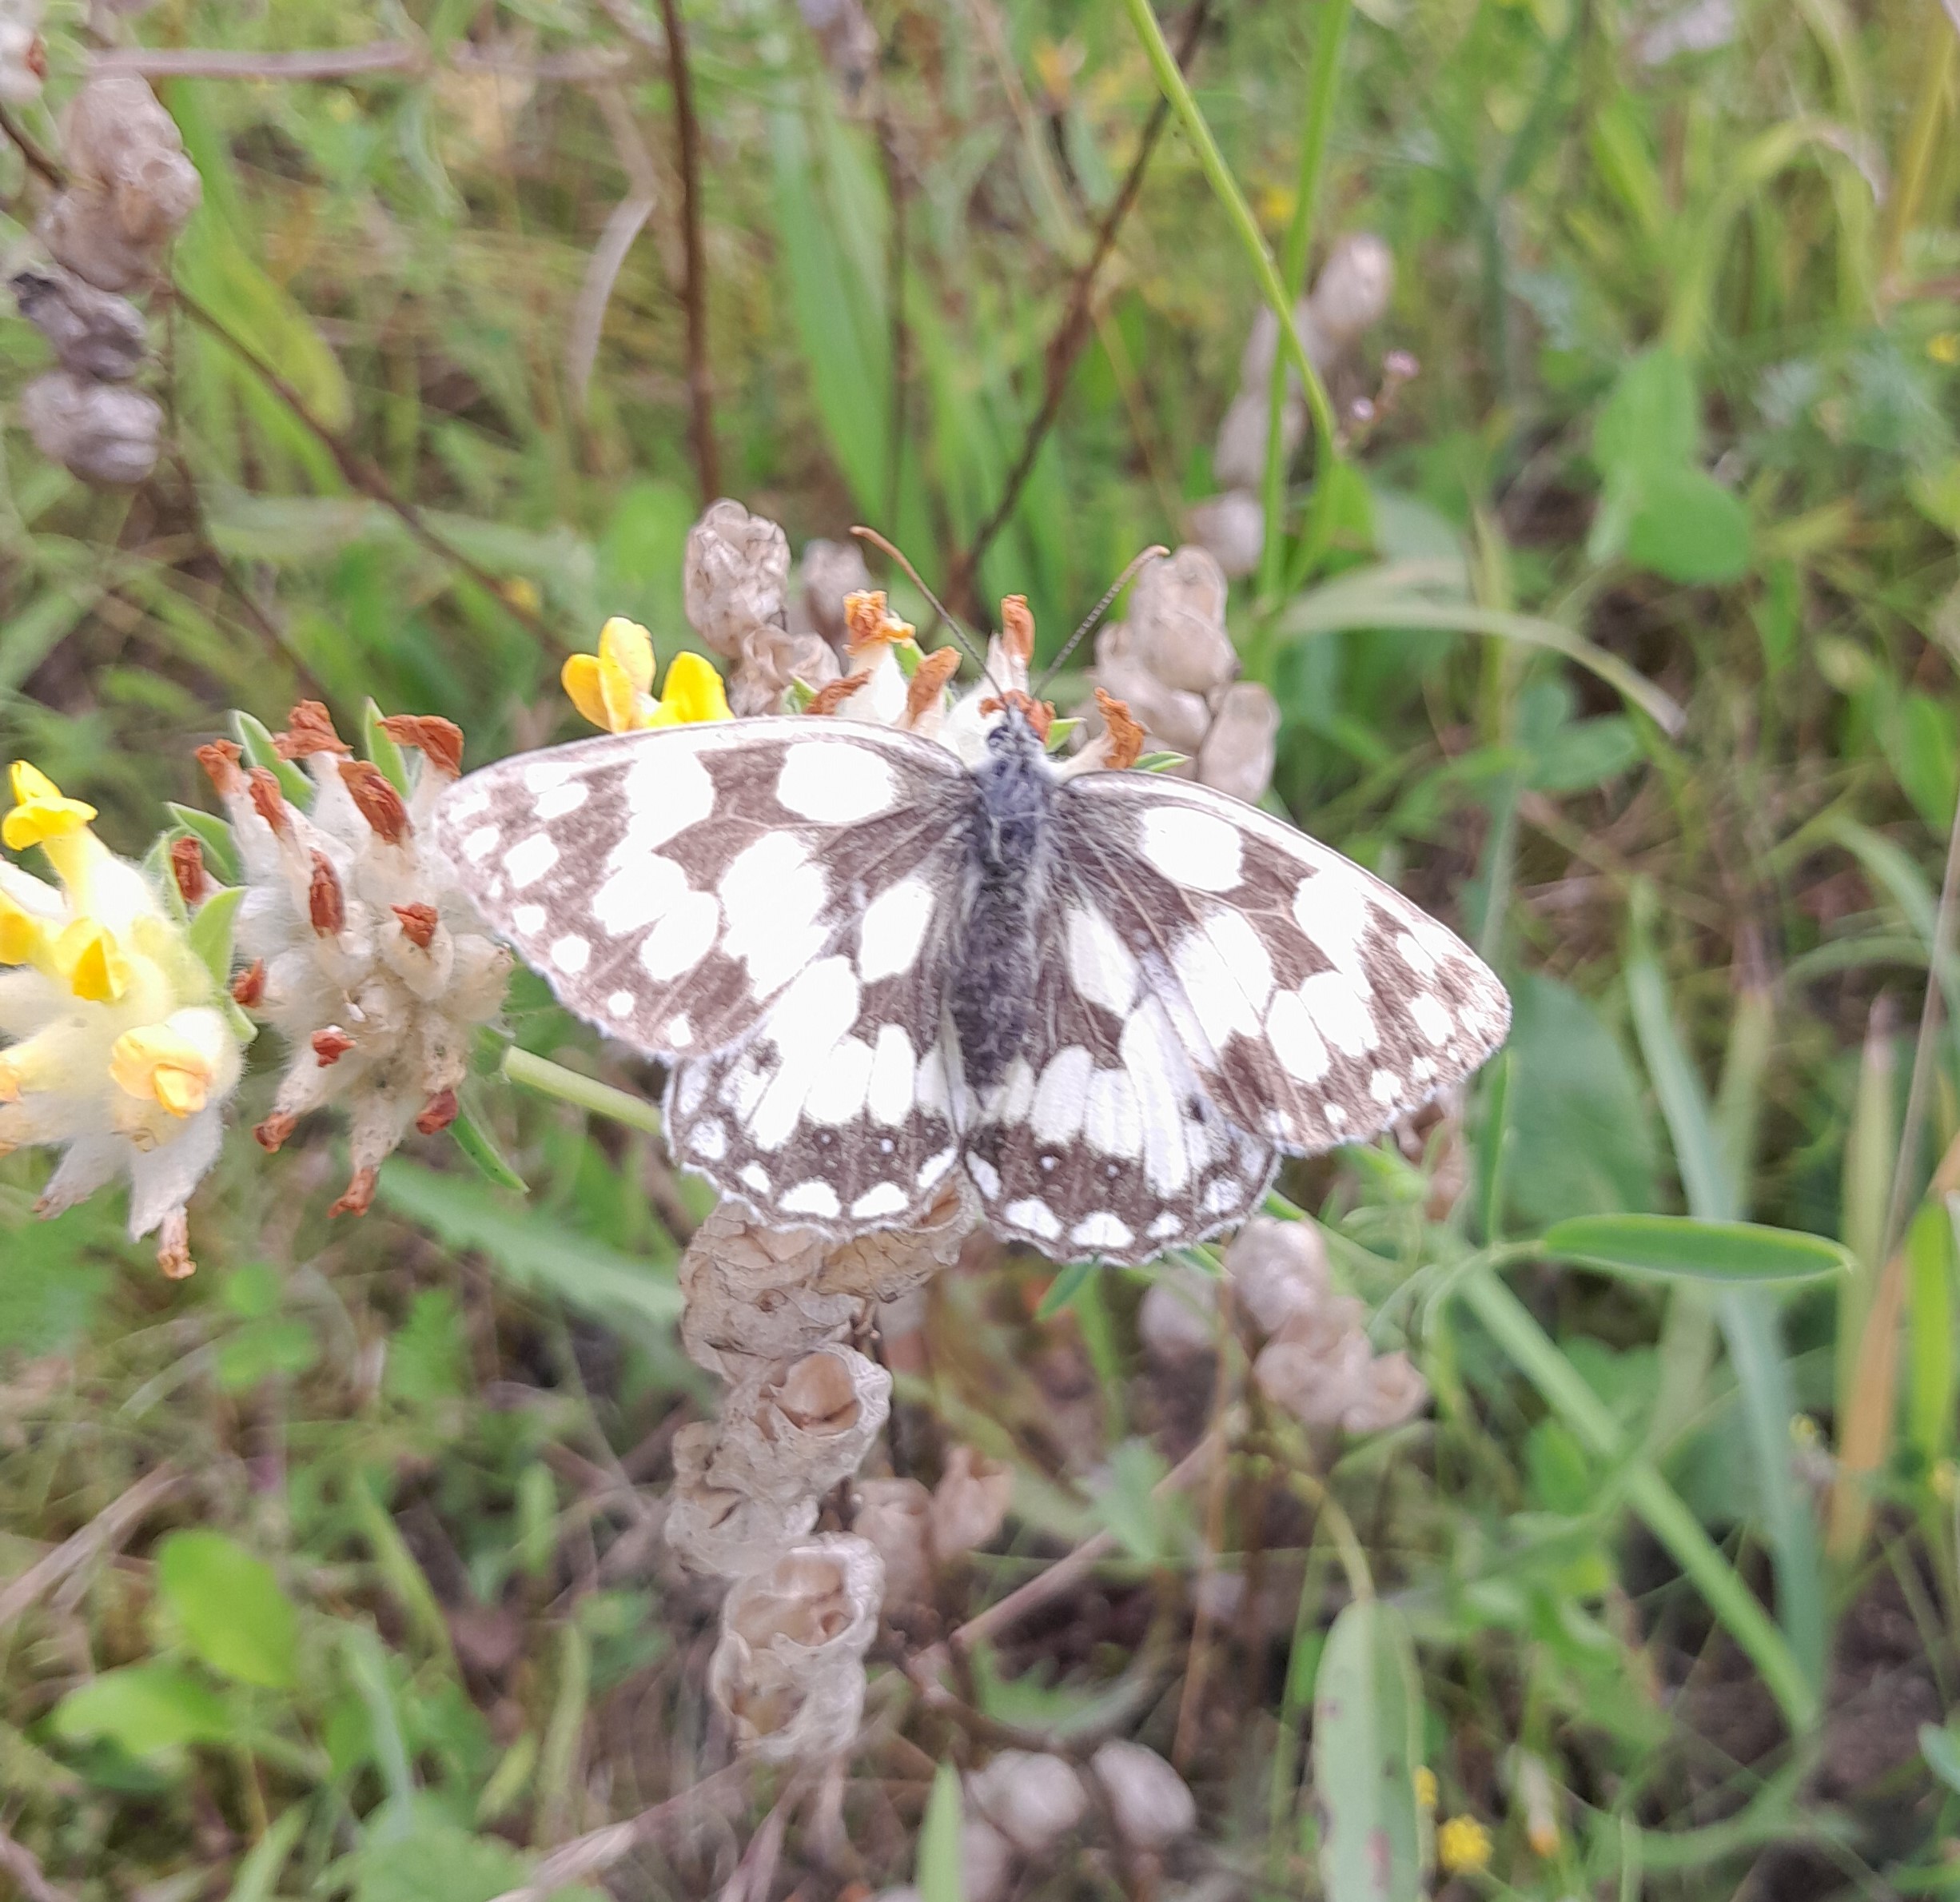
(1113, 999)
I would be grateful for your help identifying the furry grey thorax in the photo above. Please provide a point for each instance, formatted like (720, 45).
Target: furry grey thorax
(1009, 846)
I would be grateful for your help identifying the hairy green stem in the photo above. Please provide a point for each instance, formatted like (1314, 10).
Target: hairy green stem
(553, 1079)
(1171, 82)
(1293, 271)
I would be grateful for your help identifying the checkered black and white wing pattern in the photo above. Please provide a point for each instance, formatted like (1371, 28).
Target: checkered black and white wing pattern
(1317, 1005)
(676, 886)
(1101, 1140)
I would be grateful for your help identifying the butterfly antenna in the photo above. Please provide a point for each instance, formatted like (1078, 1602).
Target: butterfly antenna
(938, 607)
(1151, 553)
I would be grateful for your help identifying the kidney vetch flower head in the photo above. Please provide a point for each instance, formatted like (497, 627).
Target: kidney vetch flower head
(121, 1049)
(362, 949)
(614, 687)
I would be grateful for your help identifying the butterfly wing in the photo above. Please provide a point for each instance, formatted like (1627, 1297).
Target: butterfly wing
(674, 885)
(1099, 1140)
(1316, 1004)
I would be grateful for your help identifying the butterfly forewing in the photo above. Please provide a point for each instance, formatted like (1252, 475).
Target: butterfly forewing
(1317, 1005)
(671, 885)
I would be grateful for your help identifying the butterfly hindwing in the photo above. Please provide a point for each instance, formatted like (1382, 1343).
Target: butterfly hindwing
(672, 884)
(1317, 1004)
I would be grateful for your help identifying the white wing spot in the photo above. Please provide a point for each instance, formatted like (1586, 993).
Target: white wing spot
(1100, 964)
(526, 863)
(1102, 1230)
(1244, 954)
(1339, 1011)
(1295, 1041)
(571, 954)
(892, 929)
(1331, 908)
(637, 894)
(481, 843)
(1169, 1223)
(935, 1166)
(811, 1198)
(838, 1095)
(546, 771)
(812, 1017)
(986, 1179)
(834, 783)
(1193, 848)
(753, 1176)
(1384, 1085)
(1431, 1018)
(620, 1003)
(772, 893)
(889, 1093)
(709, 1140)
(679, 1032)
(667, 790)
(1112, 1123)
(1216, 998)
(1415, 954)
(528, 919)
(682, 939)
(1035, 1216)
(567, 797)
(1062, 1095)
(888, 1199)
(1222, 1196)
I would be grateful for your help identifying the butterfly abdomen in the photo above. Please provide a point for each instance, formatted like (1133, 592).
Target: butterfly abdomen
(1010, 840)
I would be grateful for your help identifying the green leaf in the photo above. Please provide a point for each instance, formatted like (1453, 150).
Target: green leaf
(1687, 527)
(50, 1285)
(381, 749)
(211, 933)
(475, 1142)
(1581, 1142)
(144, 1708)
(1653, 418)
(1674, 1247)
(229, 1605)
(1585, 754)
(1940, 1749)
(938, 1878)
(1128, 1507)
(265, 1347)
(1064, 1289)
(258, 1872)
(1367, 1730)
(255, 740)
(221, 856)
(426, 1356)
(533, 1251)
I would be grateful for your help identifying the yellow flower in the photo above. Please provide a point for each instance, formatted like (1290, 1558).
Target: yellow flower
(1945, 347)
(522, 592)
(23, 937)
(40, 812)
(172, 1063)
(614, 687)
(1425, 1787)
(1463, 1846)
(90, 962)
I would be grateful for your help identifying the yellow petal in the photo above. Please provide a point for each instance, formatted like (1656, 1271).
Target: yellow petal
(695, 693)
(160, 1064)
(40, 811)
(91, 963)
(616, 691)
(22, 935)
(630, 647)
(580, 678)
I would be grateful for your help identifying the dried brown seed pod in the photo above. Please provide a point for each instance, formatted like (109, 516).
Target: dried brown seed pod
(102, 433)
(93, 333)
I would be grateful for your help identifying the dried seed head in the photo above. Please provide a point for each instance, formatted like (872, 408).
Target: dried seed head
(248, 989)
(736, 574)
(106, 434)
(262, 785)
(1017, 628)
(1151, 1804)
(1351, 295)
(1125, 734)
(827, 571)
(1177, 624)
(1173, 718)
(418, 923)
(220, 758)
(923, 691)
(130, 188)
(187, 868)
(1396, 1393)
(895, 1515)
(969, 1503)
(1237, 753)
(1033, 1799)
(93, 333)
(438, 1113)
(326, 906)
(439, 741)
(309, 730)
(1278, 1270)
(869, 624)
(833, 694)
(378, 802)
(330, 1045)
(1231, 527)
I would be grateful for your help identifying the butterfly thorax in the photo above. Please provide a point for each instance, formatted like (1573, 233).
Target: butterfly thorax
(1009, 847)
